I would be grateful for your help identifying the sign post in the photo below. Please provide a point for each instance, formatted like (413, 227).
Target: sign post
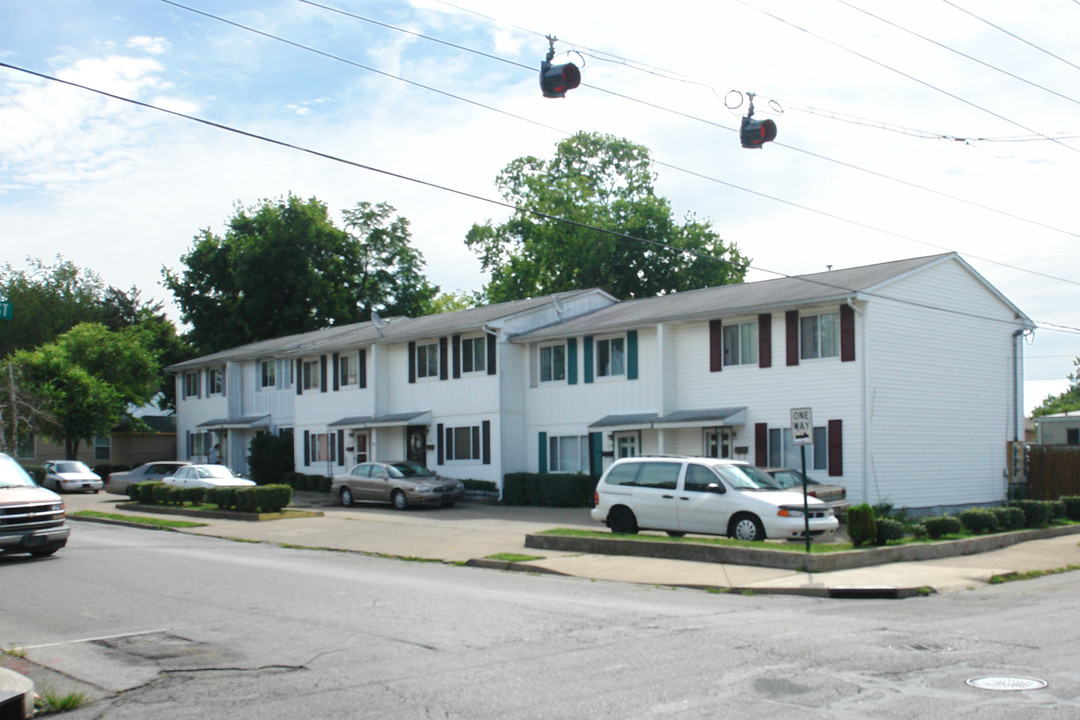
(802, 434)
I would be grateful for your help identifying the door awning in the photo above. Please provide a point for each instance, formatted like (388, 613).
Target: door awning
(237, 423)
(680, 419)
(421, 417)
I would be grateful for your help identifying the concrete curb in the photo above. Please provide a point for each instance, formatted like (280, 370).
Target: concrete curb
(784, 560)
(16, 691)
(286, 514)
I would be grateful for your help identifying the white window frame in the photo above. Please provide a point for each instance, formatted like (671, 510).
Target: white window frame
(626, 444)
(311, 375)
(563, 457)
(427, 360)
(349, 369)
(607, 357)
(470, 438)
(319, 448)
(552, 351)
(191, 384)
(740, 341)
(102, 447)
(474, 355)
(267, 370)
(787, 454)
(215, 381)
(819, 335)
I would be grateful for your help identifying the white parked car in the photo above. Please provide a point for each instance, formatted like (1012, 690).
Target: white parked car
(70, 475)
(118, 482)
(708, 496)
(206, 476)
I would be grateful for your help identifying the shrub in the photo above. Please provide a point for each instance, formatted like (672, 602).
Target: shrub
(861, 524)
(1036, 512)
(1072, 506)
(159, 493)
(938, 527)
(134, 490)
(979, 520)
(247, 500)
(918, 531)
(484, 485)
(271, 458)
(1004, 518)
(888, 529)
(548, 489)
(175, 495)
(194, 495)
(273, 498)
(223, 497)
(1057, 509)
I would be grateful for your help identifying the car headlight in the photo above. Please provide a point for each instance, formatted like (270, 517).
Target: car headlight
(788, 511)
(423, 489)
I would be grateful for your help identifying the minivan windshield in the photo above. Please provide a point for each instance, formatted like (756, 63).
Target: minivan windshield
(740, 477)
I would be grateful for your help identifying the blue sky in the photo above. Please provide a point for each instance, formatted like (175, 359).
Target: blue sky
(859, 173)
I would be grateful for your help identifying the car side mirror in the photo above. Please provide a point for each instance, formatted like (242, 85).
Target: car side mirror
(716, 488)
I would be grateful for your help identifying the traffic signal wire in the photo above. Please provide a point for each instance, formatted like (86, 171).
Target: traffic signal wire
(661, 108)
(524, 210)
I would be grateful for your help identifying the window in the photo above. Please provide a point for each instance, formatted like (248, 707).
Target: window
(741, 344)
(349, 369)
(819, 336)
(1072, 436)
(552, 363)
(361, 446)
(427, 360)
(191, 384)
(663, 475)
(784, 453)
(473, 354)
(463, 443)
(25, 448)
(610, 357)
(568, 454)
(718, 442)
(698, 478)
(198, 444)
(215, 381)
(102, 445)
(320, 447)
(267, 373)
(310, 372)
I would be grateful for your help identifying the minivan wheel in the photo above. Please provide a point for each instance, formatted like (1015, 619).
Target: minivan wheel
(346, 497)
(398, 498)
(622, 521)
(746, 527)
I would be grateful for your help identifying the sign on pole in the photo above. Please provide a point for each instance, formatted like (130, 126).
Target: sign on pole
(6, 310)
(802, 426)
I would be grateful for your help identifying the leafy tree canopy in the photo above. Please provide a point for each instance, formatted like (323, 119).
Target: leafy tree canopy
(283, 267)
(451, 301)
(1066, 401)
(596, 181)
(85, 380)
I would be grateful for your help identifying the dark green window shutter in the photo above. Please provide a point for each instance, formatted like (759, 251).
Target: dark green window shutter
(485, 442)
(631, 354)
(587, 342)
(543, 454)
(571, 361)
(596, 456)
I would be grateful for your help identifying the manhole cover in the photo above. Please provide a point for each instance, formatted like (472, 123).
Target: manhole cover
(1007, 683)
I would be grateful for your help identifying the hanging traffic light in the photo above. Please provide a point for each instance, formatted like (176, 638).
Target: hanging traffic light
(555, 80)
(755, 133)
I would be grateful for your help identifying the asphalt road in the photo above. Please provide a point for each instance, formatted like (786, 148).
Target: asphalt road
(167, 625)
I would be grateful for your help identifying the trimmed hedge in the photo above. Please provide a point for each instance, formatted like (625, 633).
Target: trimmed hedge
(549, 489)
(979, 520)
(938, 527)
(1036, 512)
(1072, 506)
(861, 524)
(888, 529)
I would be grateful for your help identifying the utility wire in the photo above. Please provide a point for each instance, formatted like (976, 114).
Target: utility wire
(1013, 35)
(958, 52)
(663, 164)
(535, 213)
(935, 88)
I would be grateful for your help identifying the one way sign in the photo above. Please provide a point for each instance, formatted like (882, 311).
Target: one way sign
(802, 426)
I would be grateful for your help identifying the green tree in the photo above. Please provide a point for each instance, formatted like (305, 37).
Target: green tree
(1066, 401)
(596, 181)
(451, 301)
(86, 379)
(283, 267)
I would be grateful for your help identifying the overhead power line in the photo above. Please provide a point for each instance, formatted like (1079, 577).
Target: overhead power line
(535, 213)
(1012, 34)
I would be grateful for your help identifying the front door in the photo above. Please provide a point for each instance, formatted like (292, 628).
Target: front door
(416, 444)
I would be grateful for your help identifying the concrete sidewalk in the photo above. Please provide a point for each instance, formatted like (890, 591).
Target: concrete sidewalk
(473, 532)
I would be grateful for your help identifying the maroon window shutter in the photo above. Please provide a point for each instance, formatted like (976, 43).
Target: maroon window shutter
(764, 340)
(761, 444)
(847, 333)
(836, 448)
(716, 346)
(791, 317)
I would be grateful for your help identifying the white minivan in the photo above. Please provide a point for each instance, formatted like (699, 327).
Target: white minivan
(708, 496)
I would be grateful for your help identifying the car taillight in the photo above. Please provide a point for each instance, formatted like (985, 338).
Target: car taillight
(812, 493)
(595, 499)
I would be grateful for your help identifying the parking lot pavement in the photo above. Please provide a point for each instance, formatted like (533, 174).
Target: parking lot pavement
(473, 531)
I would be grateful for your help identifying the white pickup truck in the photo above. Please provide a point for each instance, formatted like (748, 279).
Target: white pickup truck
(32, 519)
